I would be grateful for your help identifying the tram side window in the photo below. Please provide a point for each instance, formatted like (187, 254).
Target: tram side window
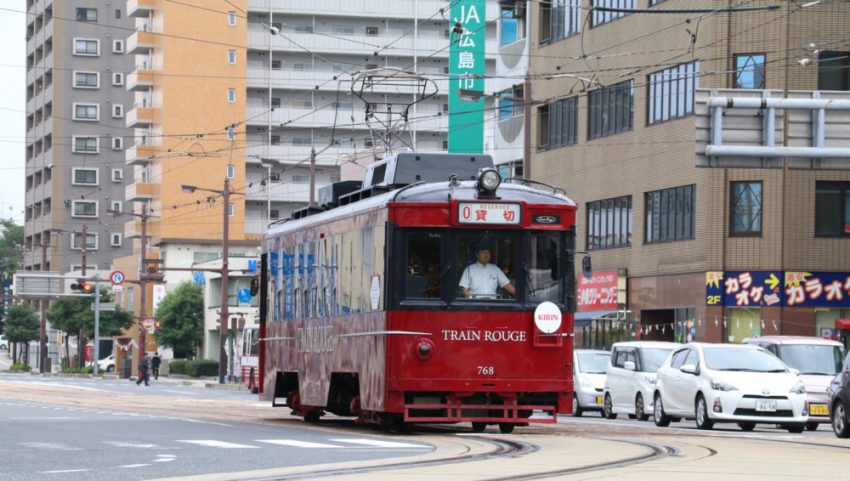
(424, 261)
(488, 265)
(545, 270)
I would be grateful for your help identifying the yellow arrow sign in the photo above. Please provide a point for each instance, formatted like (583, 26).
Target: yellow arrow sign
(772, 282)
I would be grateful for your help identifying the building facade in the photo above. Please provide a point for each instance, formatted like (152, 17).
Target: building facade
(77, 101)
(714, 254)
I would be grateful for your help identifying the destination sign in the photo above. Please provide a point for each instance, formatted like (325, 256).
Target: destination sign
(489, 213)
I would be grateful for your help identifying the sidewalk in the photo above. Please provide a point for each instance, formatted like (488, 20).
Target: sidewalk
(206, 382)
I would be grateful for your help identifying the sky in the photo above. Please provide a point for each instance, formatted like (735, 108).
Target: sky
(12, 109)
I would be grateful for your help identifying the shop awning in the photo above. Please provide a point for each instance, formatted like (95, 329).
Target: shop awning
(842, 324)
(583, 319)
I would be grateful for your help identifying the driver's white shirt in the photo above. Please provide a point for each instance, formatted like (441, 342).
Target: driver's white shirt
(483, 280)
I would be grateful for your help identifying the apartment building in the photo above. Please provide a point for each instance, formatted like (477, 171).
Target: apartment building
(715, 254)
(301, 60)
(76, 137)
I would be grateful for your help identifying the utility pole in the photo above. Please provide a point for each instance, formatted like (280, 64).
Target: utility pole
(313, 177)
(42, 333)
(81, 349)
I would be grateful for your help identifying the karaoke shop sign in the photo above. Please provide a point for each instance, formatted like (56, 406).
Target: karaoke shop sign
(598, 293)
(778, 289)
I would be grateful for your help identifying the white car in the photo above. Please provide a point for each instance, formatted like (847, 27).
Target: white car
(107, 364)
(4, 343)
(733, 383)
(630, 377)
(589, 368)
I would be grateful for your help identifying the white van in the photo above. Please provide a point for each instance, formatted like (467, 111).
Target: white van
(4, 343)
(630, 378)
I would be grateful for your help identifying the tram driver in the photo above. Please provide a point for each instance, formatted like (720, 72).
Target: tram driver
(482, 279)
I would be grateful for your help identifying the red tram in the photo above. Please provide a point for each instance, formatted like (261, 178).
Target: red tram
(430, 292)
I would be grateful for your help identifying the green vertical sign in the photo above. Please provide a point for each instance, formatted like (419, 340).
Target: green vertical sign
(466, 72)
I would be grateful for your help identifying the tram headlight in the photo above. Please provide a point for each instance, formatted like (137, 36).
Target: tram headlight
(488, 181)
(424, 349)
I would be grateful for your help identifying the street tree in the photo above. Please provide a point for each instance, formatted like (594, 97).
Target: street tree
(11, 242)
(22, 326)
(181, 318)
(75, 315)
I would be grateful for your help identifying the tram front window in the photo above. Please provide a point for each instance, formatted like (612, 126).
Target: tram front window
(488, 263)
(422, 276)
(545, 271)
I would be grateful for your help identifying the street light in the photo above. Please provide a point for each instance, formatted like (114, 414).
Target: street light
(225, 193)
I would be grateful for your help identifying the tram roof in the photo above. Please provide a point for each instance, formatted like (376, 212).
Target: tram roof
(430, 192)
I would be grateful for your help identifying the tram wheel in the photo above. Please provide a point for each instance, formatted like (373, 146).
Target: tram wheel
(479, 427)
(313, 416)
(506, 428)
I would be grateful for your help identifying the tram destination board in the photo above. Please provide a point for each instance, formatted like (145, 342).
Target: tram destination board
(488, 213)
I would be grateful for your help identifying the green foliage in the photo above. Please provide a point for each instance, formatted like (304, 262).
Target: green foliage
(181, 317)
(11, 242)
(22, 323)
(177, 366)
(77, 370)
(19, 368)
(72, 315)
(202, 367)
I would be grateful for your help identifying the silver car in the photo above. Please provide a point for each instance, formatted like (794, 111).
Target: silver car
(588, 380)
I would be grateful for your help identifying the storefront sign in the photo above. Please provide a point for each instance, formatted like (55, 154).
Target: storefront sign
(599, 292)
(739, 289)
(817, 289)
(492, 213)
(467, 34)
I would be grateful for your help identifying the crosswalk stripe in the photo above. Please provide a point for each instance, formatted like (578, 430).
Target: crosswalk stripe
(297, 444)
(377, 443)
(211, 443)
(51, 446)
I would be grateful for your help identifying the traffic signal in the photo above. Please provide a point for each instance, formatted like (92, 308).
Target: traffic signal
(156, 327)
(255, 286)
(82, 286)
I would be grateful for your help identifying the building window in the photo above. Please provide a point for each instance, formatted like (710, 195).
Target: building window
(671, 92)
(230, 134)
(543, 127)
(117, 46)
(670, 214)
(600, 17)
(834, 71)
(116, 239)
(231, 57)
(231, 210)
(508, 33)
(84, 208)
(85, 145)
(342, 30)
(117, 78)
(510, 103)
(277, 65)
(749, 71)
(84, 176)
(117, 143)
(231, 95)
(274, 214)
(117, 111)
(86, 46)
(275, 140)
(275, 177)
(563, 123)
(86, 111)
(832, 209)
(609, 223)
(231, 19)
(117, 13)
(302, 28)
(86, 14)
(562, 20)
(275, 102)
(231, 171)
(86, 80)
(610, 110)
(745, 208)
(372, 31)
(117, 175)
(116, 206)
(445, 145)
(76, 241)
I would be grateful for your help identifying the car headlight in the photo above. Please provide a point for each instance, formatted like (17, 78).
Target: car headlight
(649, 379)
(798, 388)
(721, 385)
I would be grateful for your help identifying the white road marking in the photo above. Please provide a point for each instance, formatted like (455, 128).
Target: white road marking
(130, 466)
(43, 418)
(165, 458)
(51, 446)
(182, 392)
(64, 471)
(121, 444)
(296, 444)
(196, 421)
(377, 443)
(212, 443)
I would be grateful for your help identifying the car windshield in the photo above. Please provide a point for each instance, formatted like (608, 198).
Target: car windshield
(813, 359)
(653, 358)
(749, 360)
(593, 362)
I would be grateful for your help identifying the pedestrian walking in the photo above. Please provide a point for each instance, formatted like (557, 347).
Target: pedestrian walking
(155, 362)
(144, 370)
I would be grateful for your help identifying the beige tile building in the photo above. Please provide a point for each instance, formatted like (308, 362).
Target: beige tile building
(613, 124)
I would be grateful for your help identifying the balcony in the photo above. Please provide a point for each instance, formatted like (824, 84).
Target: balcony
(140, 43)
(258, 77)
(140, 154)
(140, 117)
(140, 8)
(294, 154)
(283, 192)
(351, 8)
(139, 191)
(140, 80)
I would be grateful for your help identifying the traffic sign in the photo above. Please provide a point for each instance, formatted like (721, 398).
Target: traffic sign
(244, 295)
(148, 324)
(117, 278)
(105, 306)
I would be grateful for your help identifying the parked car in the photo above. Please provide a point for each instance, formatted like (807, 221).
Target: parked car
(839, 404)
(589, 368)
(818, 361)
(630, 377)
(4, 343)
(735, 383)
(107, 364)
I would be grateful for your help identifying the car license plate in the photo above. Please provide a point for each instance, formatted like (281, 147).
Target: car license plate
(819, 410)
(599, 400)
(766, 406)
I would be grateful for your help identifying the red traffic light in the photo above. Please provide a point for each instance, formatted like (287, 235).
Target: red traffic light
(83, 286)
